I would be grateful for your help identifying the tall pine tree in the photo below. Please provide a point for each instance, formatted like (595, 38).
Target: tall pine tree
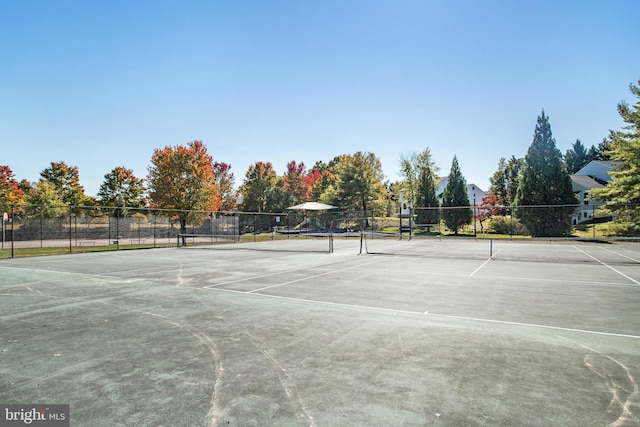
(455, 200)
(504, 182)
(576, 157)
(622, 194)
(544, 183)
(425, 201)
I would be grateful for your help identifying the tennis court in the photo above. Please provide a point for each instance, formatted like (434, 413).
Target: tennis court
(379, 332)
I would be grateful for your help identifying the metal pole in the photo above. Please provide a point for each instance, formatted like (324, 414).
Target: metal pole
(511, 223)
(12, 234)
(70, 229)
(117, 228)
(154, 229)
(410, 222)
(475, 232)
(108, 229)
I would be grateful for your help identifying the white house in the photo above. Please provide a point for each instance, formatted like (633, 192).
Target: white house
(593, 175)
(474, 192)
(598, 170)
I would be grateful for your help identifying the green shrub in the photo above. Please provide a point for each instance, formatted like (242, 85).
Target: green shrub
(507, 225)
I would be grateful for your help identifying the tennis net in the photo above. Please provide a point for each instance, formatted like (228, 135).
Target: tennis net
(316, 242)
(610, 251)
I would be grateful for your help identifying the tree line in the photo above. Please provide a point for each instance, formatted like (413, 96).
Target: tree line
(186, 178)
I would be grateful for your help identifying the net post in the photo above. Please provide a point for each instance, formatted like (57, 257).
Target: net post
(410, 222)
(491, 248)
(361, 238)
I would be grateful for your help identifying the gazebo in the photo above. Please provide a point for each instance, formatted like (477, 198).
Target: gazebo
(312, 206)
(307, 208)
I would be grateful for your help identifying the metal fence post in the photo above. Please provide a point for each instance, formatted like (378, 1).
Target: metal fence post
(154, 229)
(70, 228)
(117, 228)
(12, 235)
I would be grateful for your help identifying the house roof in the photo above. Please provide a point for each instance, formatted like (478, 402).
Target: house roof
(584, 182)
(604, 164)
(610, 163)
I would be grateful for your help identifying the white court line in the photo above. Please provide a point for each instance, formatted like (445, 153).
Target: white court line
(608, 266)
(310, 277)
(560, 281)
(446, 316)
(246, 279)
(483, 264)
(535, 325)
(69, 273)
(622, 255)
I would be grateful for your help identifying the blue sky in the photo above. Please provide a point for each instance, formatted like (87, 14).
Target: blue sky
(100, 84)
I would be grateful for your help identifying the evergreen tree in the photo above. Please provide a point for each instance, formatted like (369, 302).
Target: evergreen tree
(512, 174)
(504, 182)
(576, 157)
(259, 182)
(603, 150)
(498, 181)
(279, 197)
(545, 182)
(455, 200)
(426, 191)
(622, 194)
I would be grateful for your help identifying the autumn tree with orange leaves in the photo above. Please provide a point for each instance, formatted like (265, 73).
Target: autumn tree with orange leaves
(225, 180)
(182, 180)
(295, 182)
(10, 192)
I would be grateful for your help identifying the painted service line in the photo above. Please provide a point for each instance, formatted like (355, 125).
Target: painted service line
(426, 313)
(246, 279)
(608, 266)
(310, 277)
(622, 255)
(483, 264)
(535, 325)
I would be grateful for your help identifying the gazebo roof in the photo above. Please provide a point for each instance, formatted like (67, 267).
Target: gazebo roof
(312, 206)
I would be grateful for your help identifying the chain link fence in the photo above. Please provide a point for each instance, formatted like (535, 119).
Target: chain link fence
(588, 221)
(111, 228)
(82, 229)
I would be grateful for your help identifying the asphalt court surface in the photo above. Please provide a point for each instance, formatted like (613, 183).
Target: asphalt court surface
(575, 289)
(420, 332)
